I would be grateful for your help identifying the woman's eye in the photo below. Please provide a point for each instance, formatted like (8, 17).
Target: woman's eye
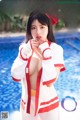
(33, 28)
(42, 27)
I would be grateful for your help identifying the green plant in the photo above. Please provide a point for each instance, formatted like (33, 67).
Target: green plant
(1, 17)
(17, 23)
(60, 24)
(5, 20)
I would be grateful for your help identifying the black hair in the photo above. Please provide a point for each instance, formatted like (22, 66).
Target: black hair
(44, 20)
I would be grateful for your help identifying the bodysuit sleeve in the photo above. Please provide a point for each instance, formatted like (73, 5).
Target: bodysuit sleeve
(19, 64)
(48, 68)
(58, 57)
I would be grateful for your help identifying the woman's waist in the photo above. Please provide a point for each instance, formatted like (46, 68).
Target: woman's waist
(33, 92)
(25, 95)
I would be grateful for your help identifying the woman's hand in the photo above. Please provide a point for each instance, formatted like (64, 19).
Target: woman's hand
(35, 47)
(41, 41)
(34, 43)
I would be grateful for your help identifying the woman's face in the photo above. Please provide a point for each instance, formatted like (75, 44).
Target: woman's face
(39, 31)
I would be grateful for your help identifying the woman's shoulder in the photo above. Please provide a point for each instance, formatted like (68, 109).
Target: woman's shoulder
(56, 46)
(23, 44)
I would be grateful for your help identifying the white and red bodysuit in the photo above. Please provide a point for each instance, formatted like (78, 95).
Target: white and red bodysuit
(44, 103)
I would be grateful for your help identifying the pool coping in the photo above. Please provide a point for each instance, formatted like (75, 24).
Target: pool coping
(15, 34)
(10, 34)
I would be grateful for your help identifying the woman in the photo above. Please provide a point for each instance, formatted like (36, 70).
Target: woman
(37, 66)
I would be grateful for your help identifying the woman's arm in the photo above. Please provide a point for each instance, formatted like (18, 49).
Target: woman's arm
(19, 64)
(57, 52)
(48, 68)
(57, 74)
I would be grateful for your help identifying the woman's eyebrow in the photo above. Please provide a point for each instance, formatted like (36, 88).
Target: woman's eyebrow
(33, 25)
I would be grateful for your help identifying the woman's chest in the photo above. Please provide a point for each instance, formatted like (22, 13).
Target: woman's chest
(35, 65)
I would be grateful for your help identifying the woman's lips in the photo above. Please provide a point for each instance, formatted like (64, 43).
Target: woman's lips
(38, 37)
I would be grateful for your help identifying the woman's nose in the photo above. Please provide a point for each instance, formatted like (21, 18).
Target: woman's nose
(38, 31)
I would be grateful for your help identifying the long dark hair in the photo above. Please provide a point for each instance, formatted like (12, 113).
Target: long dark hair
(44, 20)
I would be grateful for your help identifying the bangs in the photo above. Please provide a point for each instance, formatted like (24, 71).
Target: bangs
(42, 18)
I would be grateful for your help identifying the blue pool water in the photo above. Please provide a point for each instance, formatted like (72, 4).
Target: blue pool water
(67, 84)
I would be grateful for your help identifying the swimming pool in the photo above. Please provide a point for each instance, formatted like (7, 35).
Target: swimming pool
(67, 84)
